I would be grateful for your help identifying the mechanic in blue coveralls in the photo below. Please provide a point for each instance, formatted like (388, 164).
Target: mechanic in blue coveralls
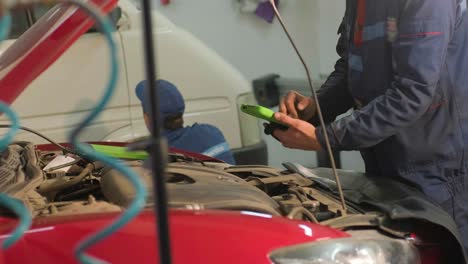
(199, 138)
(403, 67)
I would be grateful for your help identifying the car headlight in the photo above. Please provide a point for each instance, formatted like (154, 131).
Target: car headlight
(348, 251)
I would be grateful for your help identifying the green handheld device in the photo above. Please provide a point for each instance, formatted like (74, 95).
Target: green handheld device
(120, 152)
(260, 112)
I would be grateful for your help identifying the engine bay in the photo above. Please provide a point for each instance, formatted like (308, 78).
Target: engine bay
(76, 185)
(83, 186)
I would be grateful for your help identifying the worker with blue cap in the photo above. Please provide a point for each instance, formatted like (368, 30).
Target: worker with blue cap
(403, 67)
(200, 138)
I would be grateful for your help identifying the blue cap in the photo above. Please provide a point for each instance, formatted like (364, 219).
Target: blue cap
(171, 101)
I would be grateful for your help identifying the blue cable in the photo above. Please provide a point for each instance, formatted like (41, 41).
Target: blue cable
(140, 200)
(16, 206)
(5, 25)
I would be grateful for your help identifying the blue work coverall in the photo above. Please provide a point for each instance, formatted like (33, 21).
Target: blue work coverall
(403, 67)
(201, 138)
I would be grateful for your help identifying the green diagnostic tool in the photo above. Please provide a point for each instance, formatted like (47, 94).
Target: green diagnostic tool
(260, 112)
(120, 152)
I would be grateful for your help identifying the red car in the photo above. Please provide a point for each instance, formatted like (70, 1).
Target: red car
(219, 213)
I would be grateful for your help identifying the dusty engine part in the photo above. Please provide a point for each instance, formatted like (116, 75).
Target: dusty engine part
(288, 201)
(20, 170)
(254, 188)
(194, 187)
(21, 177)
(10, 166)
(292, 191)
(78, 207)
(59, 183)
(35, 202)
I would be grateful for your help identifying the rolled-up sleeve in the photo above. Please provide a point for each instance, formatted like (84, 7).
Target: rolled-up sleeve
(425, 29)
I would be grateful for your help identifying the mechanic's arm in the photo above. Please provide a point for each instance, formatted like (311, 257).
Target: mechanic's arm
(334, 96)
(425, 30)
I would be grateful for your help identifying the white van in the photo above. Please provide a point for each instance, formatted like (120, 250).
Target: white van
(213, 89)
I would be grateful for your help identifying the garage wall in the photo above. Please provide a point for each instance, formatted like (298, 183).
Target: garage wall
(257, 48)
(249, 43)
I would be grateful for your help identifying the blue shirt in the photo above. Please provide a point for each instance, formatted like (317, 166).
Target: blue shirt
(405, 72)
(201, 138)
(403, 67)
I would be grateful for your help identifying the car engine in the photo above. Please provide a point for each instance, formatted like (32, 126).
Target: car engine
(86, 187)
(376, 207)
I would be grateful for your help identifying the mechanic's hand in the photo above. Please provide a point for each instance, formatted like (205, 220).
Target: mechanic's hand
(296, 105)
(300, 135)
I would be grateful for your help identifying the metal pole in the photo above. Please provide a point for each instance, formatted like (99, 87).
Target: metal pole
(157, 146)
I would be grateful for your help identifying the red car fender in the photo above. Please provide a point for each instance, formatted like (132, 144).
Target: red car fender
(196, 237)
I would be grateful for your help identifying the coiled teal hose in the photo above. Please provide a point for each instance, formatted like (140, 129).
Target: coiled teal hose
(16, 206)
(140, 200)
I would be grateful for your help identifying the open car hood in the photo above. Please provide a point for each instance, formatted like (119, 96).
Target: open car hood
(41, 45)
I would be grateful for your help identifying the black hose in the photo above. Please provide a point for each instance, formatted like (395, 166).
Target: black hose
(63, 148)
(294, 212)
